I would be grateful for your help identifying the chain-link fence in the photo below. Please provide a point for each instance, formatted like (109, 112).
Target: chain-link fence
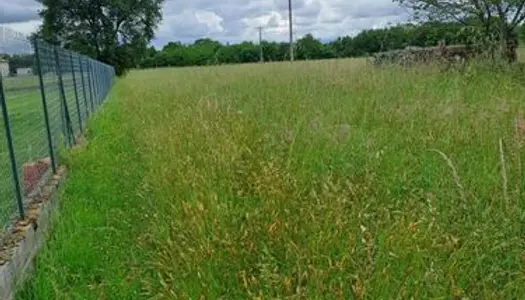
(46, 96)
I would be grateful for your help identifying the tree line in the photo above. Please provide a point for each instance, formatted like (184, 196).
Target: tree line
(119, 33)
(209, 52)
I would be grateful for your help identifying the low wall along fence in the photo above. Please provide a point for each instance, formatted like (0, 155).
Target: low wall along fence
(43, 112)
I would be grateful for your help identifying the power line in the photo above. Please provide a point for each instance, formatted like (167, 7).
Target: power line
(260, 44)
(291, 29)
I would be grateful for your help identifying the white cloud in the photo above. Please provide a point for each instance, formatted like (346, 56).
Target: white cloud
(190, 24)
(211, 20)
(239, 19)
(12, 11)
(26, 28)
(236, 20)
(20, 15)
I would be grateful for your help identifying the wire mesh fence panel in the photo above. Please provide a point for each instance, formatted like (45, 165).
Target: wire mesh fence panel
(89, 82)
(77, 88)
(52, 93)
(94, 82)
(8, 198)
(82, 82)
(46, 95)
(24, 109)
(66, 72)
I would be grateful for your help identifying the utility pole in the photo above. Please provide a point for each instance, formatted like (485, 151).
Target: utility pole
(291, 29)
(261, 45)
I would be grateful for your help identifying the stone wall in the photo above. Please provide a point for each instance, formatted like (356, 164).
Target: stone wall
(417, 55)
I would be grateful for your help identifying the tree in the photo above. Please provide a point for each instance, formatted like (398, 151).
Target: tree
(271, 51)
(228, 55)
(504, 15)
(310, 48)
(248, 52)
(114, 31)
(344, 47)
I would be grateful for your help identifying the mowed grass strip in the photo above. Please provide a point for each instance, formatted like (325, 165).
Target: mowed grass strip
(92, 253)
(307, 180)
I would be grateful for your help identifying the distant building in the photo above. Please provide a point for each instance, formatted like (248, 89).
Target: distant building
(24, 71)
(4, 67)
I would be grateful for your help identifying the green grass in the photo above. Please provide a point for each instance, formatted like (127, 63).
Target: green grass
(308, 180)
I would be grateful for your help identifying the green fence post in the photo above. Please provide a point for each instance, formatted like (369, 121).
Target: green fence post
(76, 92)
(59, 85)
(69, 128)
(100, 94)
(97, 82)
(44, 104)
(90, 83)
(93, 83)
(83, 85)
(95, 76)
(14, 170)
(106, 74)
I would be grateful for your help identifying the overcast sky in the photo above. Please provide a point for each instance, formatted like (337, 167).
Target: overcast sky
(236, 20)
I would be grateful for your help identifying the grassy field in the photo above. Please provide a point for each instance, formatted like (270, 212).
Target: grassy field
(304, 181)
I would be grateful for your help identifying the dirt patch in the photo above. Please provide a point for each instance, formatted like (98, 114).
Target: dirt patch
(33, 173)
(43, 191)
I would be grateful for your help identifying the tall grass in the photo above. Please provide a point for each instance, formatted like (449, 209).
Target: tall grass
(307, 180)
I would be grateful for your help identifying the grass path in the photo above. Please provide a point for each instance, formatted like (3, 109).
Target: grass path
(304, 181)
(93, 253)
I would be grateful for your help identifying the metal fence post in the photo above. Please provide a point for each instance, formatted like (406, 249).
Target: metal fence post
(76, 93)
(14, 170)
(98, 84)
(104, 82)
(93, 82)
(97, 92)
(97, 69)
(83, 85)
(108, 83)
(44, 104)
(93, 91)
(59, 85)
(69, 128)
(90, 83)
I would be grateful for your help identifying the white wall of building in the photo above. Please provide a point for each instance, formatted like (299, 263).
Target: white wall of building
(24, 71)
(4, 68)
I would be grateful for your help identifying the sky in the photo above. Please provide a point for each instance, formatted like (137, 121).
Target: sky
(237, 20)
